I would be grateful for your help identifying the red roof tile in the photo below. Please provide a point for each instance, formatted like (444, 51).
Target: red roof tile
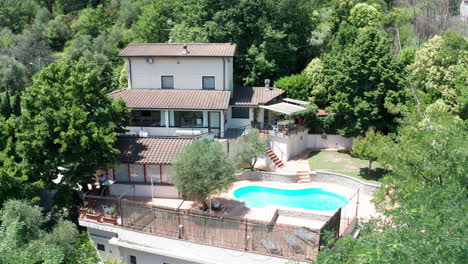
(150, 150)
(177, 50)
(173, 99)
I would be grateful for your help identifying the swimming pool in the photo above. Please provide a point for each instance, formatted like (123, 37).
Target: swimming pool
(312, 198)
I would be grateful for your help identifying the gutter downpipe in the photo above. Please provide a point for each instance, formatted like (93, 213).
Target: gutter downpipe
(224, 74)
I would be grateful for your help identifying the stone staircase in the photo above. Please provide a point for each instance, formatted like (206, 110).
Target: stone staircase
(274, 158)
(303, 177)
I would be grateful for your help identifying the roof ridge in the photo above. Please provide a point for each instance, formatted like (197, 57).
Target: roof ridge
(117, 91)
(195, 43)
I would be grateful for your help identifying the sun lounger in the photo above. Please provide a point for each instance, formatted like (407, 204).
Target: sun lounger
(307, 236)
(270, 246)
(293, 243)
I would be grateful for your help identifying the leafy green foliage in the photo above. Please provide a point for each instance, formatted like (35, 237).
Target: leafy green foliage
(13, 75)
(363, 15)
(423, 201)
(68, 122)
(151, 27)
(23, 239)
(91, 21)
(251, 147)
(364, 84)
(203, 169)
(315, 72)
(297, 86)
(439, 71)
(369, 147)
(15, 15)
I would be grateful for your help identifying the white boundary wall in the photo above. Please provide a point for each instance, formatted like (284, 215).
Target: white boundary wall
(288, 147)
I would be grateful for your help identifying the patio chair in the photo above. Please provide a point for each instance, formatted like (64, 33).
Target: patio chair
(270, 246)
(293, 243)
(307, 236)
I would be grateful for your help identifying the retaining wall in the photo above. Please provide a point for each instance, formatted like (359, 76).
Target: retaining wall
(343, 180)
(267, 176)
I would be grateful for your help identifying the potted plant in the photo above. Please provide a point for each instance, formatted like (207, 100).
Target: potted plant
(93, 215)
(84, 209)
(110, 218)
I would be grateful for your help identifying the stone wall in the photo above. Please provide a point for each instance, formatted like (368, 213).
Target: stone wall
(267, 176)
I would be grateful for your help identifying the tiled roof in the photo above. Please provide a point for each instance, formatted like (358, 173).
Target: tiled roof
(251, 96)
(174, 99)
(150, 150)
(177, 50)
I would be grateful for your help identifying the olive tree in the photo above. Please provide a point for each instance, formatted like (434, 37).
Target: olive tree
(203, 169)
(251, 148)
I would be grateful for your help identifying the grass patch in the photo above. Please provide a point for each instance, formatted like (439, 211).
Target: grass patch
(343, 163)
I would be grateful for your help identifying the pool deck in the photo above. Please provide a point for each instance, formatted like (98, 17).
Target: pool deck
(297, 216)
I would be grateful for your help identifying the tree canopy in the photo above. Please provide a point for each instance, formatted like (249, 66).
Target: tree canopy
(68, 124)
(423, 201)
(203, 169)
(251, 147)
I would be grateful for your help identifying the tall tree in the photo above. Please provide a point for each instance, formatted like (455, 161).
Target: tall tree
(68, 124)
(439, 71)
(203, 169)
(364, 84)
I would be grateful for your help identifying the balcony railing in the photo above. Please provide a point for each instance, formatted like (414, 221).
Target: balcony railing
(260, 237)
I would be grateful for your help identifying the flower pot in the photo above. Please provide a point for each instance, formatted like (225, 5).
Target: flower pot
(83, 211)
(95, 217)
(110, 220)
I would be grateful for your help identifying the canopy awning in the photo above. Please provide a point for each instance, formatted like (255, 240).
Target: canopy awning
(296, 101)
(284, 108)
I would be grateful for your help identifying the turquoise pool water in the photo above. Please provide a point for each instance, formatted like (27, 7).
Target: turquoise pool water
(312, 198)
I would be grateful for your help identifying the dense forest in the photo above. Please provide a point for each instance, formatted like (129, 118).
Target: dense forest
(396, 66)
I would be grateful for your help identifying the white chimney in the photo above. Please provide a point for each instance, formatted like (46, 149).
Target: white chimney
(185, 51)
(267, 84)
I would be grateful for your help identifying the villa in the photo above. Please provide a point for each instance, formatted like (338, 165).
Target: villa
(178, 93)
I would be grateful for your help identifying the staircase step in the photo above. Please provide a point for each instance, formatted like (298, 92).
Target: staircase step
(304, 181)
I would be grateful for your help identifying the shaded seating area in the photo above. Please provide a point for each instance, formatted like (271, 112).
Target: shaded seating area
(293, 243)
(307, 236)
(271, 247)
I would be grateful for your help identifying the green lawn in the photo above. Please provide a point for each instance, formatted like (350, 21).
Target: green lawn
(342, 162)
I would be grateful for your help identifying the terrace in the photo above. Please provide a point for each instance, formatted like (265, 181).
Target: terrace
(275, 231)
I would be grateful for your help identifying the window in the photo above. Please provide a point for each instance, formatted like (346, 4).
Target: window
(240, 112)
(137, 173)
(167, 82)
(188, 119)
(121, 173)
(208, 82)
(133, 259)
(101, 247)
(147, 118)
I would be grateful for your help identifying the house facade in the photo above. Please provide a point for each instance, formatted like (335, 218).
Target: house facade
(177, 92)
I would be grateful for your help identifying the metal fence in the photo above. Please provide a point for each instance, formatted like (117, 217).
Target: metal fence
(349, 214)
(269, 238)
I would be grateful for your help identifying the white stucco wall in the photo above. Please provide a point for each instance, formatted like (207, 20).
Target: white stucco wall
(144, 190)
(330, 141)
(239, 122)
(288, 147)
(150, 249)
(187, 72)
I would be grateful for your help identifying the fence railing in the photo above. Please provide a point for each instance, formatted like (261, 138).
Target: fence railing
(261, 237)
